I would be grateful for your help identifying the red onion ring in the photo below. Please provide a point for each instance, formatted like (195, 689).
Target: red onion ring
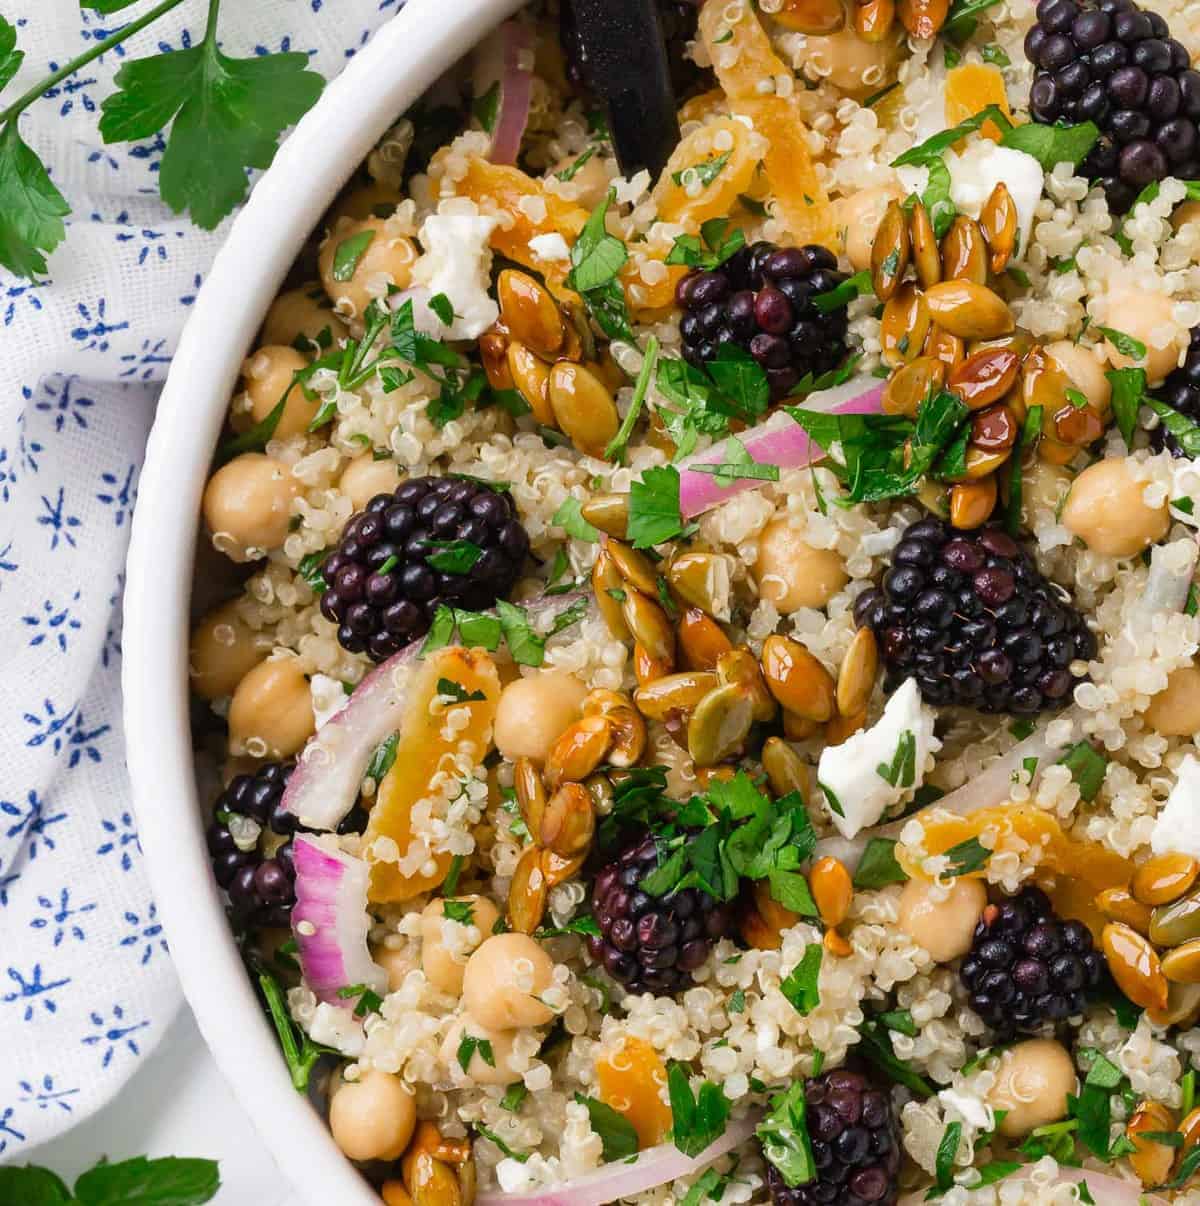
(507, 59)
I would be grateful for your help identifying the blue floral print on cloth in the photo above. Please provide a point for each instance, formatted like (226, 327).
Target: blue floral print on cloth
(86, 986)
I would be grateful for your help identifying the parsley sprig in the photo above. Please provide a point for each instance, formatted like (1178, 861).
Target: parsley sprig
(224, 114)
(169, 1181)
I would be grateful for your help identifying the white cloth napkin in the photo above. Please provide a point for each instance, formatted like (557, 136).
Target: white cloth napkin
(86, 985)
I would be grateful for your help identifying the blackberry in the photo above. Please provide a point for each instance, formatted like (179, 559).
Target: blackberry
(761, 299)
(970, 617)
(1028, 968)
(855, 1144)
(433, 540)
(651, 943)
(1181, 392)
(1111, 63)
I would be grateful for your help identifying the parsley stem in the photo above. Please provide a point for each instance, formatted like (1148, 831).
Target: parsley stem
(114, 39)
(210, 30)
(616, 450)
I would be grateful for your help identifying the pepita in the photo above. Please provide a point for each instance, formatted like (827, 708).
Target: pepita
(557, 870)
(704, 580)
(1183, 1006)
(943, 346)
(904, 325)
(636, 568)
(1177, 922)
(982, 464)
(1150, 1159)
(923, 18)
(994, 429)
(577, 751)
(832, 890)
(799, 728)
(836, 945)
(720, 724)
(841, 728)
(924, 245)
(628, 729)
(649, 624)
(797, 679)
(968, 310)
(702, 641)
(739, 666)
(964, 253)
(856, 676)
(1117, 904)
(531, 376)
(814, 17)
(785, 769)
(493, 354)
(583, 407)
(527, 892)
(569, 822)
(889, 252)
(873, 20)
(1135, 966)
(608, 512)
(1189, 1128)
(647, 668)
(674, 693)
(600, 788)
(1164, 878)
(1182, 963)
(911, 384)
(985, 377)
(530, 313)
(1076, 425)
(998, 222)
(531, 794)
(608, 587)
(755, 931)
(972, 502)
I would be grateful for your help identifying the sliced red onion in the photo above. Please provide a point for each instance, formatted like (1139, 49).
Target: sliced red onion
(330, 769)
(1106, 1190)
(506, 58)
(330, 920)
(624, 1179)
(1167, 583)
(779, 440)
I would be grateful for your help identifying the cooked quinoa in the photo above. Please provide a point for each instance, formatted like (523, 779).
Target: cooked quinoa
(403, 364)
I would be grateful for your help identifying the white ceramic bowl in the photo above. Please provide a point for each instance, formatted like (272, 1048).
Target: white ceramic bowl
(377, 85)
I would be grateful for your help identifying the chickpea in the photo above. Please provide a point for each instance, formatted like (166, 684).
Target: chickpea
(397, 964)
(365, 477)
(444, 968)
(1138, 314)
(1043, 487)
(302, 312)
(267, 376)
(1084, 371)
(506, 1065)
(859, 216)
(1032, 1083)
(504, 979)
(373, 1117)
(271, 713)
(852, 64)
(1175, 711)
(944, 927)
(387, 260)
(791, 573)
(1189, 211)
(224, 648)
(534, 710)
(247, 504)
(1106, 508)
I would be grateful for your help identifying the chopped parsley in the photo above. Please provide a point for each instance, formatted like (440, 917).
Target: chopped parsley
(615, 451)
(698, 1120)
(967, 856)
(596, 259)
(569, 173)
(841, 295)
(443, 307)
(902, 772)
(1186, 433)
(944, 1161)
(349, 252)
(310, 570)
(460, 911)
(452, 556)
(586, 924)
(382, 759)
(1126, 345)
(1087, 767)
(1128, 391)
(710, 249)
(505, 1150)
(784, 1136)
(368, 1001)
(737, 465)
(485, 107)
(617, 1136)
(654, 514)
(876, 1047)
(514, 1096)
(469, 1046)
(737, 1001)
(800, 985)
(1031, 431)
(706, 171)
(878, 866)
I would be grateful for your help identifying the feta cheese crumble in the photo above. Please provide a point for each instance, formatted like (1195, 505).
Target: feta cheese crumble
(457, 263)
(328, 698)
(1177, 828)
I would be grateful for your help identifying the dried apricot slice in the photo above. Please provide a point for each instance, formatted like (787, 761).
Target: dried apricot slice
(631, 1080)
(970, 88)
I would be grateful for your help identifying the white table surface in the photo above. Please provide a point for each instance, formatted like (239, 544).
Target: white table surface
(176, 1105)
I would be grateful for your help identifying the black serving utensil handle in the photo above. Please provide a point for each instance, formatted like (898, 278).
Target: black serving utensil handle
(624, 61)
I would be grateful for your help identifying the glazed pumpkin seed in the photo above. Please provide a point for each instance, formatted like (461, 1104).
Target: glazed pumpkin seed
(1182, 963)
(704, 580)
(430, 1182)
(968, 310)
(904, 325)
(964, 252)
(558, 870)
(674, 693)
(797, 680)
(569, 822)
(756, 932)
(529, 312)
(609, 513)
(924, 245)
(720, 724)
(647, 668)
(856, 677)
(799, 728)
(840, 728)
(911, 384)
(831, 889)
(649, 624)
(1183, 1007)
(814, 17)
(972, 502)
(784, 768)
(836, 945)
(702, 641)
(609, 588)
(984, 377)
(1164, 878)
(739, 666)
(583, 407)
(1118, 904)
(577, 751)
(934, 497)
(1134, 965)
(943, 346)
(889, 252)
(923, 18)
(1076, 425)
(998, 222)
(636, 568)
(493, 354)
(994, 429)
(1177, 922)
(1189, 1128)
(982, 464)
(873, 20)
(1150, 1160)
(527, 892)
(531, 377)
(627, 726)
(531, 794)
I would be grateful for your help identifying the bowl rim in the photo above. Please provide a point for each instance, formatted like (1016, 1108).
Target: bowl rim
(380, 82)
